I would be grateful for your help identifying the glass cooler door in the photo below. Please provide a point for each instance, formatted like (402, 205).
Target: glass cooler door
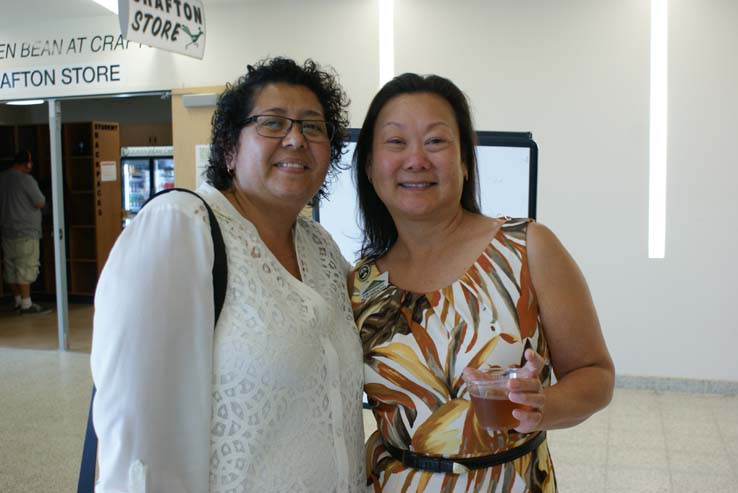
(163, 174)
(136, 186)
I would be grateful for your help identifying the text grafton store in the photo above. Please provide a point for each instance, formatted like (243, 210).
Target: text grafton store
(44, 77)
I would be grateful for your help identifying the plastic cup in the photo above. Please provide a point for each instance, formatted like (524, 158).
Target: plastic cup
(489, 396)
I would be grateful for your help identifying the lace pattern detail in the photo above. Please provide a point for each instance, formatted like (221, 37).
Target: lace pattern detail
(287, 368)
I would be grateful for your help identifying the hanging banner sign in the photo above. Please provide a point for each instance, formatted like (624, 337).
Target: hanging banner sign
(172, 25)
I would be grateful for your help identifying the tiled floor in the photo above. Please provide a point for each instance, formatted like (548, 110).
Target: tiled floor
(45, 395)
(652, 442)
(643, 442)
(40, 331)
(648, 442)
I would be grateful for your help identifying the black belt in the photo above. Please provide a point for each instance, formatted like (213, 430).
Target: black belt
(463, 465)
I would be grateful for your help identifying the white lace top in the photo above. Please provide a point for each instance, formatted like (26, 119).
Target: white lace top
(269, 402)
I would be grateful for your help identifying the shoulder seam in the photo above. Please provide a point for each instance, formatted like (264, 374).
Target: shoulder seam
(183, 203)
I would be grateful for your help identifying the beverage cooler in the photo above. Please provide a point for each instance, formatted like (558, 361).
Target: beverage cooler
(145, 171)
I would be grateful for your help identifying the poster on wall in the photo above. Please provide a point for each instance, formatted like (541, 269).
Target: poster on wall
(172, 25)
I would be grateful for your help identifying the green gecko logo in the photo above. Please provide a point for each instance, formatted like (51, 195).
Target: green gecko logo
(193, 37)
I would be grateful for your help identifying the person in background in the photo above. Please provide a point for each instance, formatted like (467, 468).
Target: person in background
(441, 290)
(21, 202)
(269, 401)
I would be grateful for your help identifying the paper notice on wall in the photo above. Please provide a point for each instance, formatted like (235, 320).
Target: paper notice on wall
(108, 171)
(202, 157)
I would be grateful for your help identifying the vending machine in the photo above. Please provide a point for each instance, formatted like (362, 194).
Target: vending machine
(145, 171)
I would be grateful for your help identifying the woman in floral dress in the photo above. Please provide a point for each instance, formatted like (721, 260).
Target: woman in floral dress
(442, 290)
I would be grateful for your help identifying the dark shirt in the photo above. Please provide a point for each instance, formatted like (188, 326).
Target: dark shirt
(19, 196)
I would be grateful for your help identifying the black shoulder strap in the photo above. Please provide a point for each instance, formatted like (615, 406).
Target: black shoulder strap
(86, 482)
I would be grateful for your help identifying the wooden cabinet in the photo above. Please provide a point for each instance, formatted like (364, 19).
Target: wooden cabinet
(92, 199)
(145, 134)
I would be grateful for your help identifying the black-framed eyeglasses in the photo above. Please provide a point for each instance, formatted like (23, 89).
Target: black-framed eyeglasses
(278, 127)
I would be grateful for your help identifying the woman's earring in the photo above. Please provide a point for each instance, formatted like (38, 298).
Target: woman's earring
(230, 172)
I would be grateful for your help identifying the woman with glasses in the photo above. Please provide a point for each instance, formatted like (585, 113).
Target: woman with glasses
(268, 400)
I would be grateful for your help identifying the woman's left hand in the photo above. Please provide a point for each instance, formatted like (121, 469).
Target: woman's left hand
(528, 391)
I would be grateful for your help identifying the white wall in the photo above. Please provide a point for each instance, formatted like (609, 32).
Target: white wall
(576, 74)
(342, 34)
(699, 283)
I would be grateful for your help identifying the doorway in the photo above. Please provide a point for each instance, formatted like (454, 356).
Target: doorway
(137, 120)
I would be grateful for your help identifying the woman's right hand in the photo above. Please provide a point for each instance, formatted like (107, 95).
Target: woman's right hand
(528, 391)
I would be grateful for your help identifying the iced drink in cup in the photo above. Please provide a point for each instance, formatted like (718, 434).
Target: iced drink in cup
(488, 392)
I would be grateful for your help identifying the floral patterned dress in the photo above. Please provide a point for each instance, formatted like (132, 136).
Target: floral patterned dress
(416, 346)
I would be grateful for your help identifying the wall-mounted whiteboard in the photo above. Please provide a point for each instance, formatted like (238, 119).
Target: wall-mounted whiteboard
(508, 173)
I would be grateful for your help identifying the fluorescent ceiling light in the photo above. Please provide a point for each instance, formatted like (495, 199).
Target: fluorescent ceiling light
(26, 102)
(386, 41)
(111, 5)
(658, 131)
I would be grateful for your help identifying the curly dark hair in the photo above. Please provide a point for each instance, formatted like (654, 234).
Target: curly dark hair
(237, 101)
(380, 232)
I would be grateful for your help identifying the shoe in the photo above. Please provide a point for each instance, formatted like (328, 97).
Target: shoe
(34, 309)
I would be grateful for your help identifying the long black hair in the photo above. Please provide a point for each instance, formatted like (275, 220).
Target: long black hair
(237, 101)
(380, 232)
